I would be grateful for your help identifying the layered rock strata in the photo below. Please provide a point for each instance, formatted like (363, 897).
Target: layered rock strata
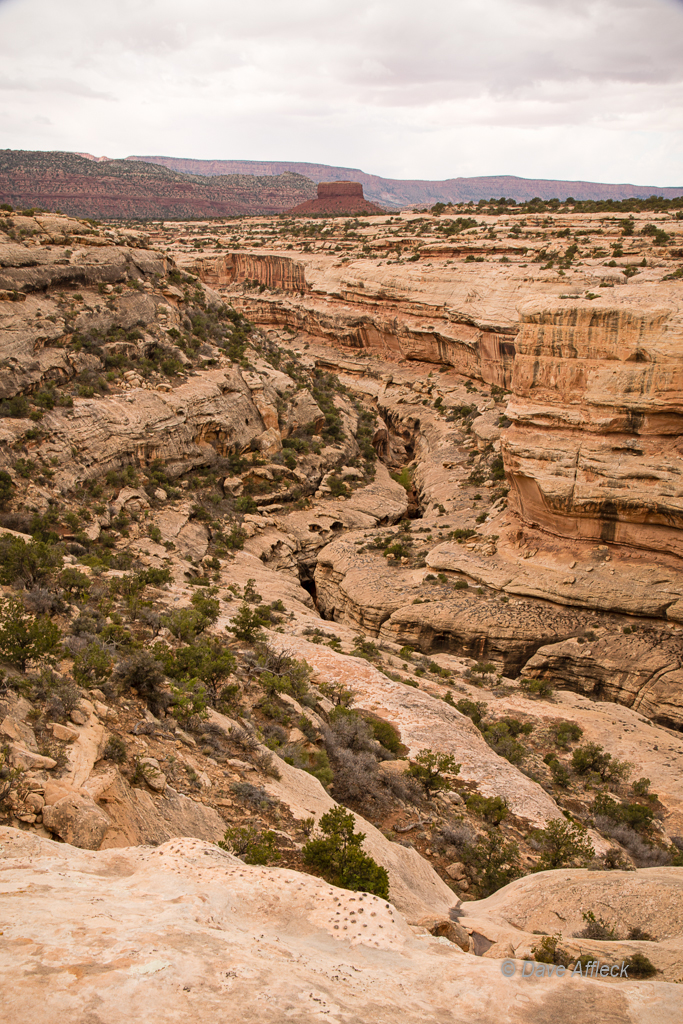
(594, 449)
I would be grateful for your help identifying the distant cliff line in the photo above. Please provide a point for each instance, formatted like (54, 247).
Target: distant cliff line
(399, 193)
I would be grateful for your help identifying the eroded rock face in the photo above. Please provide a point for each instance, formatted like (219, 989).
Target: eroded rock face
(397, 605)
(642, 672)
(594, 446)
(230, 934)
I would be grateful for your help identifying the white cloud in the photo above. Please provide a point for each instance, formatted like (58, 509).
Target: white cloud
(541, 88)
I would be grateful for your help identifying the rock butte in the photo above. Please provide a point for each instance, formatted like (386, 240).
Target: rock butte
(438, 467)
(335, 199)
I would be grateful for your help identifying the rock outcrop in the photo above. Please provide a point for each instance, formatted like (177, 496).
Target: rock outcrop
(594, 448)
(336, 199)
(642, 671)
(186, 930)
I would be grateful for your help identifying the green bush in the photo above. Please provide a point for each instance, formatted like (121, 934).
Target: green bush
(337, 487)
(431, 769)
(6, 487)
(536, 687)
(493, 809)
(252, 845)
(495, 861)
(207, 659)
(473, 709)
(25, 637)
(592, 758)
(92, 665)
(548, 952)
(188, 699)
(28, 563)
(386, 734)
(73, 581)
(595, 928)
(339, 857)
(115, 750)
(562, 842)
(637, 816)
(566, 733)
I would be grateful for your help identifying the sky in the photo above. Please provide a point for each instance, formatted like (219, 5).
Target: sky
(570, 89)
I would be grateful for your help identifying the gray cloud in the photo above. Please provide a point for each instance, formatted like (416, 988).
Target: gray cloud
(543, 88)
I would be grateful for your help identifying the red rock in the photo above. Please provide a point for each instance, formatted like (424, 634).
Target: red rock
(337, 198)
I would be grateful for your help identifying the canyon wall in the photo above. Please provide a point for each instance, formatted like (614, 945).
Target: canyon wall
(594, 450)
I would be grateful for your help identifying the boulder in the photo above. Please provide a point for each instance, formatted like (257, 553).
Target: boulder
(77, 820)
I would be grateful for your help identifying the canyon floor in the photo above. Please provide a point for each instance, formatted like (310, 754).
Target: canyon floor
(288, 506)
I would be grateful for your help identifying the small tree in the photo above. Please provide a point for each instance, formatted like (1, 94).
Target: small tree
(562, 842)
(246, 625)
(430, 769)
(73, 581)
(593, 758)
(25, 637)
(143, 672)
(188, 699)
(495, 861)
(339, 857)
(6, 487)
(26, 562)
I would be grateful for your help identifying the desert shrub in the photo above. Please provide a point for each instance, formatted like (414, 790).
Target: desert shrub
(641, 786)
(351, 731)
(26, 563)
(254, 795)
(316, 763)
(562, 842)
(637, 816)
(644, 853)
(266, 763)
(64, 697)
(207, 659)
(640, 966)
(432, 771)
(73, 581)
(536, 687)
(115, 750)
(566, 733)
(92, 665)
(595, 928)
(337, 487)
(356, 778)
(592, 758)
(493, 809)
(246, 624)
(279, 672)
(501, 737)
(338, 856)
(386, 734)
(252, 845)
(143, 673)
(559, 772)
(549, 952)
(25, 637)
(188, 699)
(473, 709)
(495, 861)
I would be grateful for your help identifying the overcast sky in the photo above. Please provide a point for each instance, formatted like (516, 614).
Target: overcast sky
(573, 89)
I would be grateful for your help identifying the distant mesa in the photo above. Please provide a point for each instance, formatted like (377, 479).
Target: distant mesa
(337, 198)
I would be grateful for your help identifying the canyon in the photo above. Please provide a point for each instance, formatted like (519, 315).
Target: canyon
(403, 478)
